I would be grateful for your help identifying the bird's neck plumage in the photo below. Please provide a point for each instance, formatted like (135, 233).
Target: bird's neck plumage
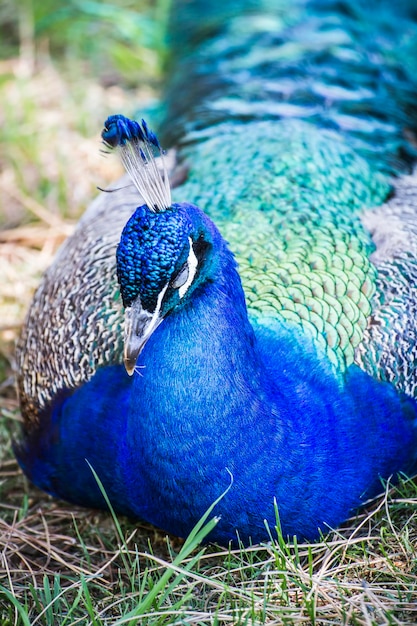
(197, 363)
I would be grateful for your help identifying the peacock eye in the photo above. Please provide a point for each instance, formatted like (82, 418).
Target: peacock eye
(181, 278)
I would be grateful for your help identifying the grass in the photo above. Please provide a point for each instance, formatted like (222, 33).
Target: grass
(62, 565)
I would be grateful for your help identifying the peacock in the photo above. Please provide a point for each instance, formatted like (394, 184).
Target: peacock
(242, 322)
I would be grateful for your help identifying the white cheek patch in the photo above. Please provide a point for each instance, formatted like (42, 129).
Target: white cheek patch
(192, 263)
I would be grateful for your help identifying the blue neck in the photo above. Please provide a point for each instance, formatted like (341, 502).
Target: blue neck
(201, 366)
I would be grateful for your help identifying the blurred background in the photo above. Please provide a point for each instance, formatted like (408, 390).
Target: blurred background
(64, 67)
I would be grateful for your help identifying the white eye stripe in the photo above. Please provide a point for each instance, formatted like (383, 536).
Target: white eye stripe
(192, 263)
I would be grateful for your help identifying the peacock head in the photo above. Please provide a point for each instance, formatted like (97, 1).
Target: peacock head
(164, 253)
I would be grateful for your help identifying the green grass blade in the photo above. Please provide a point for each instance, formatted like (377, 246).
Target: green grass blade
(15, 602)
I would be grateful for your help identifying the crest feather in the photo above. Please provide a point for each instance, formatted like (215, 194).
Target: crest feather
(139, 147)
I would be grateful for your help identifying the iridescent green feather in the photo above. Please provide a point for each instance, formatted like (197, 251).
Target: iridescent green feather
(291, 196)
(289, 203)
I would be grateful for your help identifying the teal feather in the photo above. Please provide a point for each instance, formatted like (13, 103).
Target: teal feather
(346, 66)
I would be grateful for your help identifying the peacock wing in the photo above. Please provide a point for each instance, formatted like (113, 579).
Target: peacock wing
(388, 349)
(75, 322)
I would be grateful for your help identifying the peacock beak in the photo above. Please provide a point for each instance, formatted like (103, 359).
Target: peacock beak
(139, 326)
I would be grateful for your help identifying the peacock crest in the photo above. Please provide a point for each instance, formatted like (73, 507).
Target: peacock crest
(139, 148)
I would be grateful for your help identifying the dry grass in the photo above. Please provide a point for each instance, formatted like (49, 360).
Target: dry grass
(63, 565)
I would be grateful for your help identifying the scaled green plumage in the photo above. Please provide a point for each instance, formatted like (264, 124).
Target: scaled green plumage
(292, 217)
